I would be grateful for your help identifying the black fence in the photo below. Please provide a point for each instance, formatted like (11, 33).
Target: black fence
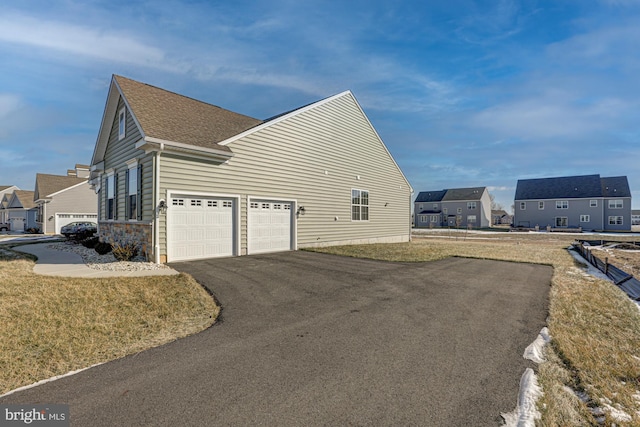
(625, 281)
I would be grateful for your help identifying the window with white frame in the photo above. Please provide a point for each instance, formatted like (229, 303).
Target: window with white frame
(615, 204)
(593, 203)
(435, 218)
(471, 219)
(110, 193)
(562, 221)
(122, 123)
(585, 218)
(133, 191)
(435, 206)
(445, 210)
(459, 210)
(615, 220)
(423, 218)
(471, 205)
(359, 205)
(541, 205)
(523, 206)
(562, 204)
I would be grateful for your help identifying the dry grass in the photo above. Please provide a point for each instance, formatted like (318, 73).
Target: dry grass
(595, 327)
(52, 325)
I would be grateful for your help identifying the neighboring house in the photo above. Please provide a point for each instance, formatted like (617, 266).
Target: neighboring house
(500, 216)
(21, 211)
(456, 207)
(183, 179)
(5, 193)
(588, 202)
(635, 217)
(64, 199)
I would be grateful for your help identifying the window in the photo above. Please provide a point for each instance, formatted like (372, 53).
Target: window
(434, 218)
(562, 221)
(445, 210)
(523, 206)
(593, 203)
(212, 203)
(435, 206)
(615, 204)
(359, 205)
(471, 219)
(287, 207)
(178, 202)
(615, 220)
(255, 205)
(122, 123)
(266, 206)
(423, 218)
(110, 196)
(585, 218)
(226, 204)
(133, 191)
(562, 204)
(277, 206)
(540, 205)
(196, 202)
(459, 210)
(471, 205)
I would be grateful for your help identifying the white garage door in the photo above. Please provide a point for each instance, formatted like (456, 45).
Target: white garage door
(199, 227)
(63, 219)
(269, 228)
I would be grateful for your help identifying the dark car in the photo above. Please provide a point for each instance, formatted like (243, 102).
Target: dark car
(79, 230)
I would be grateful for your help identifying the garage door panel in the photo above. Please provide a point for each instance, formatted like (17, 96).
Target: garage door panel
(200, 227)
(269, 227)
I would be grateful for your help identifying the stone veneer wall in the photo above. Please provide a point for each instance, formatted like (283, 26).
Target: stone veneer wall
(129, 232)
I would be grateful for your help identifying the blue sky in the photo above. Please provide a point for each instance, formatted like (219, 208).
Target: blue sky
(463, 93)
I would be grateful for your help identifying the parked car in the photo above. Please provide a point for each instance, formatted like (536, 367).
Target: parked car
(79, 230)
(4, 226)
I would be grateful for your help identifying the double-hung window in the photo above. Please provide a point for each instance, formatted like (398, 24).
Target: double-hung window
(541, 205)
(471, 205)
(359, 205)
(615, 220)
(133, 191)
(615, 204)
(562, 204)
(110, 193)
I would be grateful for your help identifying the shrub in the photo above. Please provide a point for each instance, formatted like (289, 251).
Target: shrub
(91, 242)
(125, 252)
(33, 230)
(102, 248)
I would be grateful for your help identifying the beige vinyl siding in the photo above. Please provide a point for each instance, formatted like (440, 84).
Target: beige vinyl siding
(288, 160)
(118, 152)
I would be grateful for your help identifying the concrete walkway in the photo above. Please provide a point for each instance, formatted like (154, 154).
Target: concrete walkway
(67, 264)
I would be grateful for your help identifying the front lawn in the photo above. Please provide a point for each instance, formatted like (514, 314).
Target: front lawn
(53, 325)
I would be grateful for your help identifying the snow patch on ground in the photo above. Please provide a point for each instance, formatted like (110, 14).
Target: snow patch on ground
(534, 351)
(526, 412)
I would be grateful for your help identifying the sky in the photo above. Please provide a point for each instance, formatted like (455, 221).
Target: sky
(463, 93)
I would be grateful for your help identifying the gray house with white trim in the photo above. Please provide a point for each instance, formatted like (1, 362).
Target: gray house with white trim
(63, 199)
(456, 207)
(586, 202)
(183, 179)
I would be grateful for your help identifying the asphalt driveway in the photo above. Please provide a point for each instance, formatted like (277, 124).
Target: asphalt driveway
(314, 339)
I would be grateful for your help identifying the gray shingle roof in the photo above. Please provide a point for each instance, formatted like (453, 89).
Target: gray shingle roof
(473, 193)
(172, 117)
(572, 187)
(430, 196)
(26, 198)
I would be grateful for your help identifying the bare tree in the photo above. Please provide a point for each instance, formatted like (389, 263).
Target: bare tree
(494, 205)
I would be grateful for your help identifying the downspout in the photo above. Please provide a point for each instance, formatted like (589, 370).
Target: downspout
(156, 201)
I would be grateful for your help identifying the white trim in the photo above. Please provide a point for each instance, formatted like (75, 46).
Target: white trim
(293, 225)
(236, 215)
(155, 144)
(131, 163)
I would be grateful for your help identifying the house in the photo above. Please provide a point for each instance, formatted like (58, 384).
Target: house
(5, 193)
(635, 217)
(183, 179)
(62, 199)
(19, 210)
(456, 207)
(588, 202)
(500, 216)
